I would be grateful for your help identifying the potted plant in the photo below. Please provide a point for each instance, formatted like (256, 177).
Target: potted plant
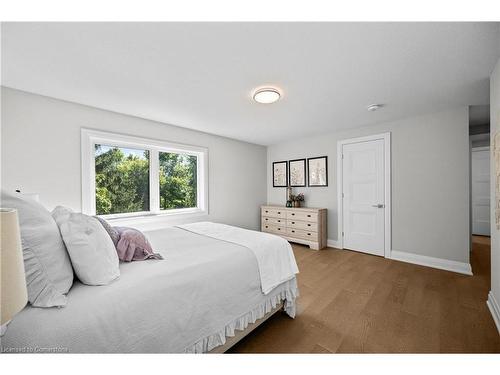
(296, 199)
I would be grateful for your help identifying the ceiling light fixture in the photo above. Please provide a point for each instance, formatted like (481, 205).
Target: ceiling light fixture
(266, 95)
(374, 107)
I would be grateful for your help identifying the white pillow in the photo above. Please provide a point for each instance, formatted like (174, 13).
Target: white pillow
(92, 252)
(49, 275)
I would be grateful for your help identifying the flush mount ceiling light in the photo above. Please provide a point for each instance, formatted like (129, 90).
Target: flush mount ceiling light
(374, 107)
(266, 95)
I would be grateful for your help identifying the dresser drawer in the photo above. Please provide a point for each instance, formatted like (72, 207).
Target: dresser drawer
(276, 229)
(305, 225)
(273, 221)
(273, 212)
(304, 234)
(301, 215)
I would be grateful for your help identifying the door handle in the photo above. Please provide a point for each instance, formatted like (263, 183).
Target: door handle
(378, 205)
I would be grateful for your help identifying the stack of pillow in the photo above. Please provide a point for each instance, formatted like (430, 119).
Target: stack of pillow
(56, 244)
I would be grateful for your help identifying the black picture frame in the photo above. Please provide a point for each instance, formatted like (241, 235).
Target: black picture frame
(309, 171)
(286, 173)
(290, 171)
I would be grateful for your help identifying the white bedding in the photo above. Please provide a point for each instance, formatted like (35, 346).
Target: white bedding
(274, 254)
(157, 306)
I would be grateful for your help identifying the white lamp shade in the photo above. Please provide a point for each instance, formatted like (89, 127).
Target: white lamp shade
(14, 294)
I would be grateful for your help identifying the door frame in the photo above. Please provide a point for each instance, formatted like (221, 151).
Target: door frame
(386, 137)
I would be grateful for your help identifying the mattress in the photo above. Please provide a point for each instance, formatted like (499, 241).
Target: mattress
(199, 294)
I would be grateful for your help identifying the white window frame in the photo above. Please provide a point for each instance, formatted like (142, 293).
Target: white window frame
(90, 137)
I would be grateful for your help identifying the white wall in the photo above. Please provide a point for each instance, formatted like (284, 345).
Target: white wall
(495, 233)
(430, 181)
(430, 178)
(41, 153)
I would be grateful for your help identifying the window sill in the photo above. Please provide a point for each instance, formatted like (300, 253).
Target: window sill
(158, 221)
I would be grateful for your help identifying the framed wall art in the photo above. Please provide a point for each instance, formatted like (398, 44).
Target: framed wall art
(280, 173)
(317, 171)
(297, 172)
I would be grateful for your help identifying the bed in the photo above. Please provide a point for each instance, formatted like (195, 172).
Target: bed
(203, 297)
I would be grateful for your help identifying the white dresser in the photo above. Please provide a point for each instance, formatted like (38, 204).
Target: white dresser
(302, 225)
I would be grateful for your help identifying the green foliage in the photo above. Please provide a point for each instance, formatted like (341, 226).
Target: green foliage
(122, 181)
(177, 181)
(103, 201)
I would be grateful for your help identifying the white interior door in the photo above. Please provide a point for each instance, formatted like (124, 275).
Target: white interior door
(480, 172)
(363, 196)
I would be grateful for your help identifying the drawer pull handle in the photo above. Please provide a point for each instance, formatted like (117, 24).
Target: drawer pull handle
(267, 212)
(293, 222)
(279, 221)
(279, 228)
(293, 231)
(308, 234)
(293, 214)
(308, 225)
(308, 215)
(279, 213)
(267, 226)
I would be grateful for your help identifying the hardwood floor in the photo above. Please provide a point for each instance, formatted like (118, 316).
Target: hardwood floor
(356, 303)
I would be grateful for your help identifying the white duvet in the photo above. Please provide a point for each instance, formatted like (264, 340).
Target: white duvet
(200, 293)
(274, 254)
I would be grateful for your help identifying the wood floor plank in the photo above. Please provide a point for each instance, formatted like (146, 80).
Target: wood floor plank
(357, 303)
(319, 349)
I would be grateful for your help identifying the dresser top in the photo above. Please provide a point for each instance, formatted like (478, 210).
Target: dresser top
(284, 208)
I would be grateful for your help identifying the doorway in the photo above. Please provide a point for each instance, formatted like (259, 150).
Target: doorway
(364, 194)
(480, 190)
(479, 171)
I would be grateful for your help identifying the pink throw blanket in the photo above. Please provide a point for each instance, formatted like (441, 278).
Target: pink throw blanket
(133, 245)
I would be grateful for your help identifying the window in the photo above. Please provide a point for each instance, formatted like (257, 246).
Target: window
(177, 180)
(130, 176)
(121, 180)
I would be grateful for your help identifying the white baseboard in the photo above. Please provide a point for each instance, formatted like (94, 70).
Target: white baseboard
(333, 243)
(442, 264)
(421, 260)
(494, 309)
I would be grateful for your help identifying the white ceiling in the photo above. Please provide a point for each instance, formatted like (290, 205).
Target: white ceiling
(201, 75)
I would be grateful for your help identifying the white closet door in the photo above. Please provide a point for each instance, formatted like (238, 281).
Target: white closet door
(363, 196)
(480, 172)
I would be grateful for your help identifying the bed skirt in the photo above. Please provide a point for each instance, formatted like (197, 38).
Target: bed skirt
(287, 297)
